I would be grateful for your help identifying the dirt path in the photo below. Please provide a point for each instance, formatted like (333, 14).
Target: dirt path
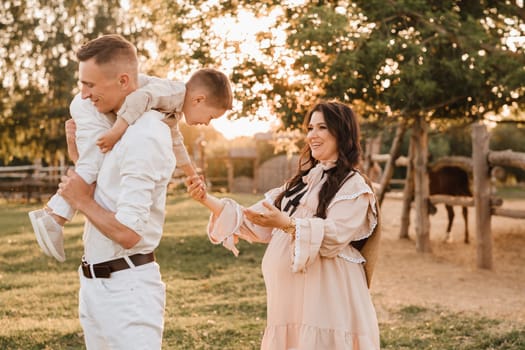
(448, 276)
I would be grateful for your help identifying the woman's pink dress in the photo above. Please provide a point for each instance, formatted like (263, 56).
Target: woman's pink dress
(317, 294)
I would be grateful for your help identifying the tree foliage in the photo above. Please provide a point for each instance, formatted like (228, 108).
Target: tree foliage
(407, 59)
(38, 68)
(447, 61)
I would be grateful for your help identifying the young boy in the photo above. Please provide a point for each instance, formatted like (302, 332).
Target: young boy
(207, 95)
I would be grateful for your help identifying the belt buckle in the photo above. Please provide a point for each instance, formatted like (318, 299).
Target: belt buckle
(102, 271)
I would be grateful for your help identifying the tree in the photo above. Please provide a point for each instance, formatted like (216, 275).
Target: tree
(38, 69)
(421, 62)
(444, 61)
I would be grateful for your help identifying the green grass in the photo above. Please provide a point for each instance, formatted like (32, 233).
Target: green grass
(420, 328)
(511, 192)
(214, 300)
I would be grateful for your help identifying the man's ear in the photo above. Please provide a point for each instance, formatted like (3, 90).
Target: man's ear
(124, 81)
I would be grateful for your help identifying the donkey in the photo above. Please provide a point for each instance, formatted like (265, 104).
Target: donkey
(452, 181)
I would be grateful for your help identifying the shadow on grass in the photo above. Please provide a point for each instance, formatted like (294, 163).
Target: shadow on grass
(420, 328)
(203, 338)
(194, 257)
(42, 339)
(253, 309)
(18, 260)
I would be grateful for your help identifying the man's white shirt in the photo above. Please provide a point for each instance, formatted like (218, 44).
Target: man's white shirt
(132, 183)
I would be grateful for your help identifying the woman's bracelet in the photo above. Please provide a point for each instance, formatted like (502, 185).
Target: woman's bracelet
(290, 228)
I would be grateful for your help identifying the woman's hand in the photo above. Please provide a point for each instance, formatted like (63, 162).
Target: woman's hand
(271, 217)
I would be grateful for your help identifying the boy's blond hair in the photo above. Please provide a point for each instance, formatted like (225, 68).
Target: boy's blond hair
(217, 87)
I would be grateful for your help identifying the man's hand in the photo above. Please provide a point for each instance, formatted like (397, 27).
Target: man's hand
(75, 190)
(71, 129)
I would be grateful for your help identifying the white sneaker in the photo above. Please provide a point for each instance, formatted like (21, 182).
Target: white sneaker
(53, 236)
(49, 234)
(33, 217)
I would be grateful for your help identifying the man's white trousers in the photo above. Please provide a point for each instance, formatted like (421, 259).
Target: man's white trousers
(125, 311)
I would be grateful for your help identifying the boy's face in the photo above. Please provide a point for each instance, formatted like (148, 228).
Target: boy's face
(102, 87)
(197, 112)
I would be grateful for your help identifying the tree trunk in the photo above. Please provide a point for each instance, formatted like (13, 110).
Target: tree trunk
(390, 164)
(482, 188)
(408, 191)
(372, 147)
(367, 157)
(421, 186)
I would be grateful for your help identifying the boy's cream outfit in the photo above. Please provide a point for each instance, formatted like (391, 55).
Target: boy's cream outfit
(163, 95)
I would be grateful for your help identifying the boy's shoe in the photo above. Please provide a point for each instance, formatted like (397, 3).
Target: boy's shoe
(49, 233)
(53, 236)
(33, 217)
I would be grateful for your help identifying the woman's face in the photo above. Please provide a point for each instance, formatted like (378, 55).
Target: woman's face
(322, 143)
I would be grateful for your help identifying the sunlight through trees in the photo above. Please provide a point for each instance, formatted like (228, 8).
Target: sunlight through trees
(446, 61)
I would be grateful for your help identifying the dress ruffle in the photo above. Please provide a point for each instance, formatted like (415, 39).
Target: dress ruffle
(304, 337)
(312, 231)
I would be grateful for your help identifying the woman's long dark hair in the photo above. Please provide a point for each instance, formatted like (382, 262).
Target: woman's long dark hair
(342, 124)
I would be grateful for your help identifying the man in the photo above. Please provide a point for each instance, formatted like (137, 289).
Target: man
(122, 296)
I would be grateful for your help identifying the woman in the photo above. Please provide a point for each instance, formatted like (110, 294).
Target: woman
(319, 227)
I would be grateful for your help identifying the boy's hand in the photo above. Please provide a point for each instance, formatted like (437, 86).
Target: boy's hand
(110, 137)
(170, 120)
(196, 187)
(107, 141)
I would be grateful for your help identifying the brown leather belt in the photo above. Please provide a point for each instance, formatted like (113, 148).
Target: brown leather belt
(104, 269)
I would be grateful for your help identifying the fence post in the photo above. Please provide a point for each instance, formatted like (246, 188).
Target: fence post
(408, 191)
(231, 173)
(482, 188)
(421, 187)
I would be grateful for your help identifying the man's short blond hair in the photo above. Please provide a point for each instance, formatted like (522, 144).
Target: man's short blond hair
(111, 49)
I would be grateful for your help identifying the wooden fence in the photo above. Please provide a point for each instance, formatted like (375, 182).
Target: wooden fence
(35, 182)
(27, 182)
(483, 160)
